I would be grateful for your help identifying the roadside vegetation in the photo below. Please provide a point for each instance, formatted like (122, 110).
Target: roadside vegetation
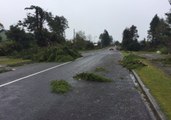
(60, 86)
(4, 69)
(158, 82)
(132, 61)
(40, 37)
(6, 61)
(166, 61)
(100, 69)
(158, 42)
(91, 77)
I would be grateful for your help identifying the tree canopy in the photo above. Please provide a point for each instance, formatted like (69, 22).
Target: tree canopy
(130, 39)
(46, 28)
(105, 38)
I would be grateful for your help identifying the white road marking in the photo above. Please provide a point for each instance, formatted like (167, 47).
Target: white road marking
(8, 83)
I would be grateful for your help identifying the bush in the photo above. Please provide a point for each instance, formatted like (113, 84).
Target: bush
(132, 61)
(60, 86)
(100, 69)
(49, 54)
(164, 50)
(7, 48)
(55, 54)
(91, 77)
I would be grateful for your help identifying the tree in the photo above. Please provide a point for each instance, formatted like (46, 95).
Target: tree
(47, 29)
(57, 26)
(130, 39)
(1, 27)
(79, 40)
(34, 23)
(117, 43)
(22, 39)
(168, 40)
(152, 32)
(105, 38)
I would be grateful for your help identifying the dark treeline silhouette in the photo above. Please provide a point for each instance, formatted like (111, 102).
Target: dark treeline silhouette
(41, 32)
(158, 39)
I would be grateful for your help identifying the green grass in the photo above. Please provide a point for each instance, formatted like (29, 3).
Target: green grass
(12, 62)
(131, 61)
(91, 77)
(60, 86)
(100, 69)
(159, 84)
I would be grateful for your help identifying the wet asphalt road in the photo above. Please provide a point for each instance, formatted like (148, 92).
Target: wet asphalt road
(31, 98)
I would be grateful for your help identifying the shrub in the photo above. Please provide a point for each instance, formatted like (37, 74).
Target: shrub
(91, 77)
(100, 69)
(132, 61)
(60, 86)
(164, 50)
(49, 54)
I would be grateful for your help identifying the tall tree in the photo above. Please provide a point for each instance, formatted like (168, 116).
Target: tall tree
(1, 27)
(57, 25)
(22, 39)
(47, 29)
(168, 20)
(130, 39)
(79, 40)
(152, 32)
(35, 23)
(105, 38)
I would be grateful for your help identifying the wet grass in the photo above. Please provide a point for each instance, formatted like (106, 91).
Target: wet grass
(60, 86)
(91, 77)
(12, 61)
(159, 84)
(100, 69)
(131, 61)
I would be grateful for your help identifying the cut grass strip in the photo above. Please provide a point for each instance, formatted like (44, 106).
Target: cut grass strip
(91, 77)
(159, 84)
(100, 69)
(13, 62)
(60, 86)
(132, 61)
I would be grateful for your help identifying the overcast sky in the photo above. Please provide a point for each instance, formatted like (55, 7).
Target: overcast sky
(91, 16)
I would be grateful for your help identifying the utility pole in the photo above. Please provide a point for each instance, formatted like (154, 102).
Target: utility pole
(74, 34)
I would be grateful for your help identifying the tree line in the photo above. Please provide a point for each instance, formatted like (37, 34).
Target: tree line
(159, 36)
(42, 29)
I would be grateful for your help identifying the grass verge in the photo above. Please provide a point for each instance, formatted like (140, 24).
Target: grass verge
(100, 69)
(60, 86)
(13, 62)
(91, 77)
(132, 61)
(158, 83)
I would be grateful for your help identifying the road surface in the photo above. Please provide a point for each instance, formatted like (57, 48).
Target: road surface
(25, 93)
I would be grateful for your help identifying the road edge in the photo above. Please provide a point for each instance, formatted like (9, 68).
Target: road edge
(152, 102)
(33, 74)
